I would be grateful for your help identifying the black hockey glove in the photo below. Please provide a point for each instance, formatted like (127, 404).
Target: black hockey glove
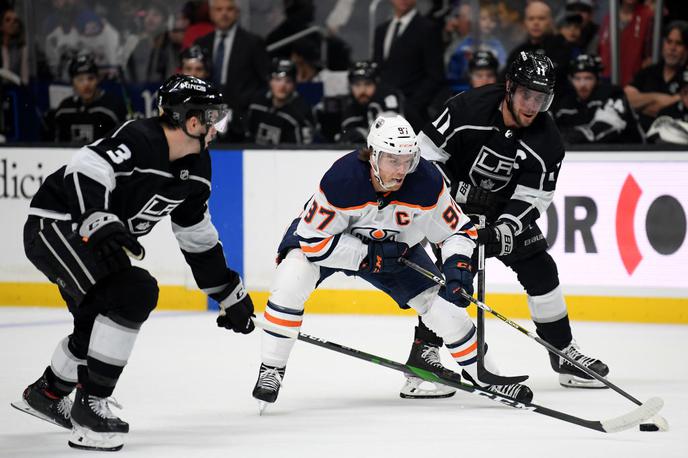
(458, 273)
(106, 235)
(383, 257)
(236, 309)
(476, 200)
(498, 238)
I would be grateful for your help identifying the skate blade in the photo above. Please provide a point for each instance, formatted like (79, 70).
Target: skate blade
(85, 439)
(262, 405)
(571, 381)
(22, 406)
(412, 390)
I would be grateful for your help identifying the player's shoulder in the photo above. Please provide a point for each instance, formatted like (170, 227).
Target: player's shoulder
(144, 138)
(543, 139)
(476, 104)
(421, 188)
(347, 183)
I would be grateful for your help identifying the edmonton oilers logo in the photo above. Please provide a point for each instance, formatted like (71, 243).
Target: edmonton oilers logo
(374, 233)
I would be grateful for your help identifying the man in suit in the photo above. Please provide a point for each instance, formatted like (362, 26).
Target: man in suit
(408, 51)
(240, 63)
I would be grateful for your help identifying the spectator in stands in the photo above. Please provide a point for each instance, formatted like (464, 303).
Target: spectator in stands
(594, 111)
(588, 37)
(62, 40)
(99, 38)
(671, 125)
(679, 110)
(456, 28)
(14, 53)
(155, 56)
(90, 113)
(368, 100)
(408, 51)
(457, 68)
(570, 29)
(656, 87)
(280, 116)
(195, 63)
(635, 38)
(299, 15)
(539, 28)
(200, 25)
(239, 62)
(482, 69)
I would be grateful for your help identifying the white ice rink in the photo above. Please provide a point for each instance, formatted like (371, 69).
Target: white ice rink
(187, 393)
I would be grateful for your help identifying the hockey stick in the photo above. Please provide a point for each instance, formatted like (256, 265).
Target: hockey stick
(548, 346)
(612, 425)
(483, 374)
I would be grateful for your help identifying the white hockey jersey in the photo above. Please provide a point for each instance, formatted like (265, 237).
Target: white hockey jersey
(346, 213)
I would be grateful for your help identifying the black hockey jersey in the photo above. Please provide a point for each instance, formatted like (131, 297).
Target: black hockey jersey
(605, 117)
(292, 123)
(130, 174)
(76, 122)
(522, 165)
(357, 118)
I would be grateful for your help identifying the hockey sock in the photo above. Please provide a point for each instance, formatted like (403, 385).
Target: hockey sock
(111, 343)
(551, 317)
(557, 333)
(275, 348)
(62, 373)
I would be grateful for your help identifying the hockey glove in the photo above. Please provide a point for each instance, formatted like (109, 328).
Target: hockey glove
(498, 238)
(476, 200)
(236, 309)
(106, 235)
(383, 257)
(458, 273)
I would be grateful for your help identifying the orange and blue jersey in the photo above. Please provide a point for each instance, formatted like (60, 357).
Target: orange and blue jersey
(346, 213)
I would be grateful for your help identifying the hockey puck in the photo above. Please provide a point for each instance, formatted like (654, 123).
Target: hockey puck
(648, 427)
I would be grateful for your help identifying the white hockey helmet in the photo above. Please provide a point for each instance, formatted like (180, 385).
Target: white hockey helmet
(392, 135)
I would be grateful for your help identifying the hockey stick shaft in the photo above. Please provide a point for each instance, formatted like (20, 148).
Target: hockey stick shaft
(623, 422)
(535, 337)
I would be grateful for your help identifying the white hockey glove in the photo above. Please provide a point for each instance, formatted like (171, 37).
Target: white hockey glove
(610, 116)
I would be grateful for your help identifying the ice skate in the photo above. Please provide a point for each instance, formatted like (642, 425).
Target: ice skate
(95, 427)
(517, 391)
(268, 385)
(572, 377)
(427, 357)
(39, 401)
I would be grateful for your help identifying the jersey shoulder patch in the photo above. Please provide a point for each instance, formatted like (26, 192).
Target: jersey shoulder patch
(421, 188)
(347, 183)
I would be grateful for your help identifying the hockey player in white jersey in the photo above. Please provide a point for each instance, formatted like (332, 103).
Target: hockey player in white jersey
(373, 206)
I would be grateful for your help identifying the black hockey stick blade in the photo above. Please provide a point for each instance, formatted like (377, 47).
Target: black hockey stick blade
(613, 425)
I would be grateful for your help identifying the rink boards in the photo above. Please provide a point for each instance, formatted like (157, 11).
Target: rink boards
(617, 230)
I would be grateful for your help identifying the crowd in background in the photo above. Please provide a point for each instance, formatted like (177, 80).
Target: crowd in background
(318, 88)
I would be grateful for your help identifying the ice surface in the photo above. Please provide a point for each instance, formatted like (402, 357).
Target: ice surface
(187, 393)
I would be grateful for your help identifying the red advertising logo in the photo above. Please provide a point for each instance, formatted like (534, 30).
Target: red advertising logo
(665, 224)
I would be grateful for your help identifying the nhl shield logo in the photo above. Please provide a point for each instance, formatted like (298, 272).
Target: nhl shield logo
(184, 175)
(491, 170)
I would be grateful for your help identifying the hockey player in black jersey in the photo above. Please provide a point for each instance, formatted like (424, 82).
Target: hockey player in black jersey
(368, 100)
(90, 113)
(82, 229)
(593, 111)
(502, 153)
(281, 115)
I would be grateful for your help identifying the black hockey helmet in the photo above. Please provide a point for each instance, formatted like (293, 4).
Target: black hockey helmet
(181, 97)
(282, 68)
(533, 71)
(483, 60)
(83, 63)
(586, 63)
(363, 70)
